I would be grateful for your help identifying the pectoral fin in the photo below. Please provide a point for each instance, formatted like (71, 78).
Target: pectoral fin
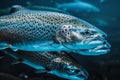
(3, 46)
(13, 48)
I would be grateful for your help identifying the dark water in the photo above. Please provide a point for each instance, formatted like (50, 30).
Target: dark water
(103, 67)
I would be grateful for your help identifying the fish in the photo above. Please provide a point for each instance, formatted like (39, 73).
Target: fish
(78, 7)
(101, 22)
(60, 64)
(35, 30)
(47, 8)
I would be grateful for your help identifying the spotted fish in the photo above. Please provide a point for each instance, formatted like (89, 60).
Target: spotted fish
(32, 30)
(60, 64)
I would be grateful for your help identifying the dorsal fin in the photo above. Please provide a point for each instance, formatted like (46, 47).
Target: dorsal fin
(16, 8)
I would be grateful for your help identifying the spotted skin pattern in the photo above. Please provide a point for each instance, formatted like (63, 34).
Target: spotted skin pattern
(33, 30)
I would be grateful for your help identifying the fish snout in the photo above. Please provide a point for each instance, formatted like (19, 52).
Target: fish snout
(83, 74)
(100, 47)
(96, 45)
(78, 73)
(106, 45)
(102, 36)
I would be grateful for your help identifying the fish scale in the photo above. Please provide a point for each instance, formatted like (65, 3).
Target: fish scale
(32, 25)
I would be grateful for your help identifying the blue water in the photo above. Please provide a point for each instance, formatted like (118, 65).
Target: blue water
(103, 67)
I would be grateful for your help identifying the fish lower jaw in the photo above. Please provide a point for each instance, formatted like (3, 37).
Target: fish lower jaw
(103, 47)
(80, 45)
(99, 50)
(67, 76)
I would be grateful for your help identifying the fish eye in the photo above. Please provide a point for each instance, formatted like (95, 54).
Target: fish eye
(87, 31)
(72, 71)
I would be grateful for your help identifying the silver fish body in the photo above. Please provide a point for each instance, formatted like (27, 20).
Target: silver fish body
(31, 30)
(60, 64)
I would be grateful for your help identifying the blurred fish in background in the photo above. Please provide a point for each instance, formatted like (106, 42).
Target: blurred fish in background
(102, 1)
(78, 7)
(33, 6)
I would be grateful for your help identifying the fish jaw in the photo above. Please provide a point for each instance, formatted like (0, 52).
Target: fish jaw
(92, 47)
(71, 72)
(67, 76)
(96, 47)
(101, 49)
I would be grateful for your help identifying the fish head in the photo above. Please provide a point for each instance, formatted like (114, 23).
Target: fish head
(84, 39)
(71, 73)
(76, 73)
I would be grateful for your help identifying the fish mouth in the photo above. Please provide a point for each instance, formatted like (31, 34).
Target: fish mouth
(82, 75)
(90, 46)
(100, 49)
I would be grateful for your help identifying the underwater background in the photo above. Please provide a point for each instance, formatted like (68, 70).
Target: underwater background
(102, 67)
